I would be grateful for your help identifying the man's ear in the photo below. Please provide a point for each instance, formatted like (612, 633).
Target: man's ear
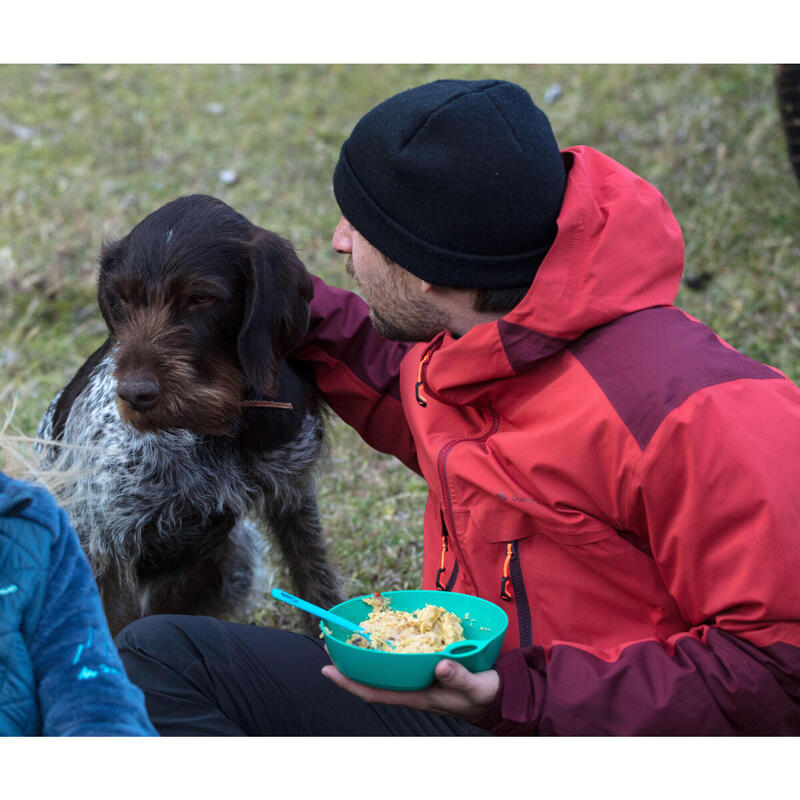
(278, 291)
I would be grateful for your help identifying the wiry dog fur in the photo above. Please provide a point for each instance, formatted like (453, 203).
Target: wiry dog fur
(171, 466)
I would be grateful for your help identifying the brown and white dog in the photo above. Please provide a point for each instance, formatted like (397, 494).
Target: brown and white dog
(187, 426)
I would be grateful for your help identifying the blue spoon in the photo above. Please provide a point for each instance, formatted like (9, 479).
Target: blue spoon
(466, 647)
(317, 611)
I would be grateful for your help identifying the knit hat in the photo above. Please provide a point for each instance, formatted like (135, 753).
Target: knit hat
(459, 182)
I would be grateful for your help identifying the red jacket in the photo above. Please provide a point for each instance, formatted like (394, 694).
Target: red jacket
(609, 470)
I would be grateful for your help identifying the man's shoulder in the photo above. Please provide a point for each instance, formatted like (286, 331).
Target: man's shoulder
(650, 362)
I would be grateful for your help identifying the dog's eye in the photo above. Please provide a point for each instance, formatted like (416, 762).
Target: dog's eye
(200, 300)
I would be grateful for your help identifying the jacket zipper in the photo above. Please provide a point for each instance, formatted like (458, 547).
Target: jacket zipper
(447, 513)
(452, 579)
(520, 595)
(521, 598)
(423, 366)
(421, 400)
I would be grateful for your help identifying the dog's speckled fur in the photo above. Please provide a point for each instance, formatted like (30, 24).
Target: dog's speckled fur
(167, 500)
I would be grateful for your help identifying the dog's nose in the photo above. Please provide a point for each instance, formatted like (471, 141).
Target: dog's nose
(140, 391)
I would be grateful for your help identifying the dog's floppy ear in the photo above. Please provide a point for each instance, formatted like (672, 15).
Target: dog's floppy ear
(111, 255)
(278, 290)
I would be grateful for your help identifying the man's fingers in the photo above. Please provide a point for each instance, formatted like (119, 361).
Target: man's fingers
(456, 691)
(373, 695)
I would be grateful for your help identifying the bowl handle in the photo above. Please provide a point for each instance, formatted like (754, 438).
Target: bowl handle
(464, 648)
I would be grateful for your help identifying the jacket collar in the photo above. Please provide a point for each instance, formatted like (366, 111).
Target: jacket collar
(619, 249)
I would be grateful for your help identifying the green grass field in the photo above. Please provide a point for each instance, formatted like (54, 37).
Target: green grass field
(86, 151)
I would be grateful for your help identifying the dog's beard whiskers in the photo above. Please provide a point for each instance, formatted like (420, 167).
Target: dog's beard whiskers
(189, 401)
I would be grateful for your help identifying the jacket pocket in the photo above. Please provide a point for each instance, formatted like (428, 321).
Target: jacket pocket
(500, 532)
(513, 540)
(570, 527)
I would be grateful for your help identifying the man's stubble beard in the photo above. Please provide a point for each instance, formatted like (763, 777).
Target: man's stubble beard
(408, 321)
(416, 329)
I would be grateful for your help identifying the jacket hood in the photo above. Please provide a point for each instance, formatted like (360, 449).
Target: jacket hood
(619, 249)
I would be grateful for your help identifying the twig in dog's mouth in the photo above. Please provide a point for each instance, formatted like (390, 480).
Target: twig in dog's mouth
(265, 404)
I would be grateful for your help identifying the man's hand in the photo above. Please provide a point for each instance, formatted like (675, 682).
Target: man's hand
(456, 691)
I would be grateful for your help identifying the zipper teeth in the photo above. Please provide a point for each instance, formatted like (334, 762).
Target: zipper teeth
(423, 368)
(443, 454)
(521, 600)
(451, 581)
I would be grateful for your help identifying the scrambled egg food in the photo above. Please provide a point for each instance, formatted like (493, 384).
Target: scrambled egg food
(426, 630)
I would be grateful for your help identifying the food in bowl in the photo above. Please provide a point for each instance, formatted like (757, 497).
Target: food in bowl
(482, 620)
(425, 630)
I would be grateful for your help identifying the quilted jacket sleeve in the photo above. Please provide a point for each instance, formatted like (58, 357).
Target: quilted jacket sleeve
(82, 686)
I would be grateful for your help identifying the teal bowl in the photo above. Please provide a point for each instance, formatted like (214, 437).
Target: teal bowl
(481, 620)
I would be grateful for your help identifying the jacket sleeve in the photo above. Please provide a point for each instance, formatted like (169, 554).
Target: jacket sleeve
(82, 686)
(357, 370)
(716, 499)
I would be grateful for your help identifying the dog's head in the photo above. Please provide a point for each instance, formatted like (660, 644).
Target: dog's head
(202, 307)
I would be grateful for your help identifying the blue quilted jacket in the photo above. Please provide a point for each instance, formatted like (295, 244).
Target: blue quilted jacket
(60, 674)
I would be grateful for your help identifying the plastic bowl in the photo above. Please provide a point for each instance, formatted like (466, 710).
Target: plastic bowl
(481, 620)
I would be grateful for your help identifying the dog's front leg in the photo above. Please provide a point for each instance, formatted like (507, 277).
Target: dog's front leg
(121, 601)
(301, 541)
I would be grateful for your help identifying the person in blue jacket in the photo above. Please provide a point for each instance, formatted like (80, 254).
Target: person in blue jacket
(60, 674)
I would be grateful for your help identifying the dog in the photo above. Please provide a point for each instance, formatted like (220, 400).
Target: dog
(186, 430)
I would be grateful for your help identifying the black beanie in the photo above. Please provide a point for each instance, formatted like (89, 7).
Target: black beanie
(459, 182)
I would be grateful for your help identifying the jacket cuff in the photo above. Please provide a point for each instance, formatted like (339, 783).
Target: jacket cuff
(493, 715)
(512, 712)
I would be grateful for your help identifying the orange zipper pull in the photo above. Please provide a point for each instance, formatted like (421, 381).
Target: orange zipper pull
(420, 397)
(506, 578)
(441, 566)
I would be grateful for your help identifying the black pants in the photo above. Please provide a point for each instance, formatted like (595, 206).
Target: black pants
(205, 677)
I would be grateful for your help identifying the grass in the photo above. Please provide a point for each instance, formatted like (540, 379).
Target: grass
(86, 151)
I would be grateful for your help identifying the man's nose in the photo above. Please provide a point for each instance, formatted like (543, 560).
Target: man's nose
(342, 240)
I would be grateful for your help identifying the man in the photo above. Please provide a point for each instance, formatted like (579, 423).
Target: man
(600, 464)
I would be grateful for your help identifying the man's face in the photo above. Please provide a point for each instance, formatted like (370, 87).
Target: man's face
(399, 309)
